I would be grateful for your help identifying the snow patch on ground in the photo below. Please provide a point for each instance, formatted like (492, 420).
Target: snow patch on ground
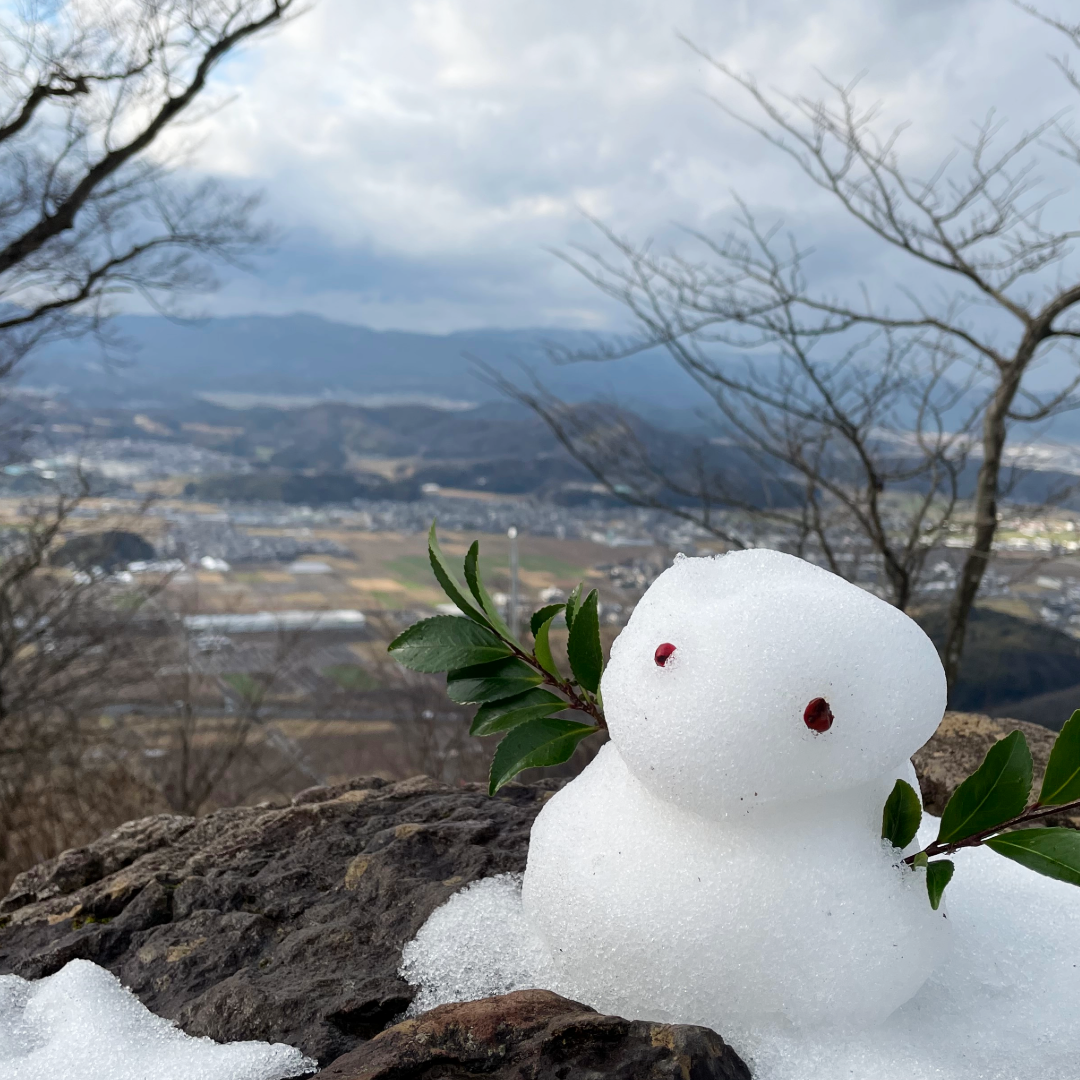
(1001, 1007)
(477, 944)
(82, 1023)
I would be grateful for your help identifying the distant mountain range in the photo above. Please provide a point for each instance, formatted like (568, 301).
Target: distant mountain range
(298, 360)
(259, 359)
(333, 451)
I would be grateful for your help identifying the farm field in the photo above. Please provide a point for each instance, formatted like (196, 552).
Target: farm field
(390, 572)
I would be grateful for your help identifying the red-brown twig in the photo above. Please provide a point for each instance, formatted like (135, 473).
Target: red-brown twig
(1032, 813)
(579, 703)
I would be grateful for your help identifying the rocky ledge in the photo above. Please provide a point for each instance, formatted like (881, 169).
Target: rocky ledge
(957, 750)
(276, 923)
(537, 1035)
(286, 923)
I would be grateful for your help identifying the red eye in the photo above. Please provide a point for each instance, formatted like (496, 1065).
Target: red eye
(663, 654)
(817, 715)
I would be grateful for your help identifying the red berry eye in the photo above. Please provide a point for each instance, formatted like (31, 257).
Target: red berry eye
(817, 715)
(663, 654)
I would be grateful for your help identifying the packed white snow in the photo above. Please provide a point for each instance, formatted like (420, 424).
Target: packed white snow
(494, 950)
(1002, 1006)
(720, 862)
(723, 854)
(803, 918)
(81, 1022)
(758, 635)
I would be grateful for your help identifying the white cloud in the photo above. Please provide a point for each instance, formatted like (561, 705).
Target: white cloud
(462, 137)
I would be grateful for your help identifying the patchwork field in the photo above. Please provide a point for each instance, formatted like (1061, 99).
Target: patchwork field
(390, 572)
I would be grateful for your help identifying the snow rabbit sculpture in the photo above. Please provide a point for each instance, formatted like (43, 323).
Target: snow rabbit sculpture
(720, 860)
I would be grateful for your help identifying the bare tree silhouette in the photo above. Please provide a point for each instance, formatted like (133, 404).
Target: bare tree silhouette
(90, 205)
(864, 413)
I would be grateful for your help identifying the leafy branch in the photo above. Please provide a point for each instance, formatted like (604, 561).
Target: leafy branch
(519, 691)
(990, 808)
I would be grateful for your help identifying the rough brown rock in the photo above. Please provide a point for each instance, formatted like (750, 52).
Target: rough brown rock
(958, 748)
(537, 1035)
(281, 923)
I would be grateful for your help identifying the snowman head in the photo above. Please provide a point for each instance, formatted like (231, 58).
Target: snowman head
(756, 677)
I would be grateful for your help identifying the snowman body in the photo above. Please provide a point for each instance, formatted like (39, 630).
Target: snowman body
(719, 862)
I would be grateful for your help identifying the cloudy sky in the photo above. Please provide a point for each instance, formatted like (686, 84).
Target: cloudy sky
(421, 158)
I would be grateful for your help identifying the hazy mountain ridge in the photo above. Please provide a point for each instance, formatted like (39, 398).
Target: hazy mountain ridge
(309, 357)
(274, 454)
(305, 355)
(333, 393)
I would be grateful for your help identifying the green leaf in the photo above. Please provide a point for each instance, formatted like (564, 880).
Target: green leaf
(503, 715)
(542, 648)
(938, 874)
(545, 614)
(903, 812)
(476, 587)
(534, 745)
(583, 646)
(997, 791)
(1061, 784)
(446, 642)
(573, 602)
(1053, 852)
(445, 577)
(491, 682)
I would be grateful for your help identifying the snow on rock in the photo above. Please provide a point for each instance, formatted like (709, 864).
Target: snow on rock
(477, 944)
(463, 954)
(1000, 1007)
(81, 1022)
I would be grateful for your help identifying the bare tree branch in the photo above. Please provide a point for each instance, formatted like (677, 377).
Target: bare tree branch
(868, 412)
(86, 91)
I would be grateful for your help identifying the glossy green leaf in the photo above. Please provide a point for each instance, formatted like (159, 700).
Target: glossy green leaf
(1053, 852)
(476, 587)
(902, 814)
(491, 682)
(534, 745)
(446, 642)
(938, 874)
(1061, 784)
(445, 577)
(583, 646)
(545, 614)
(503, 715)
(573, 602)
(997, 791)
(542, 648)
